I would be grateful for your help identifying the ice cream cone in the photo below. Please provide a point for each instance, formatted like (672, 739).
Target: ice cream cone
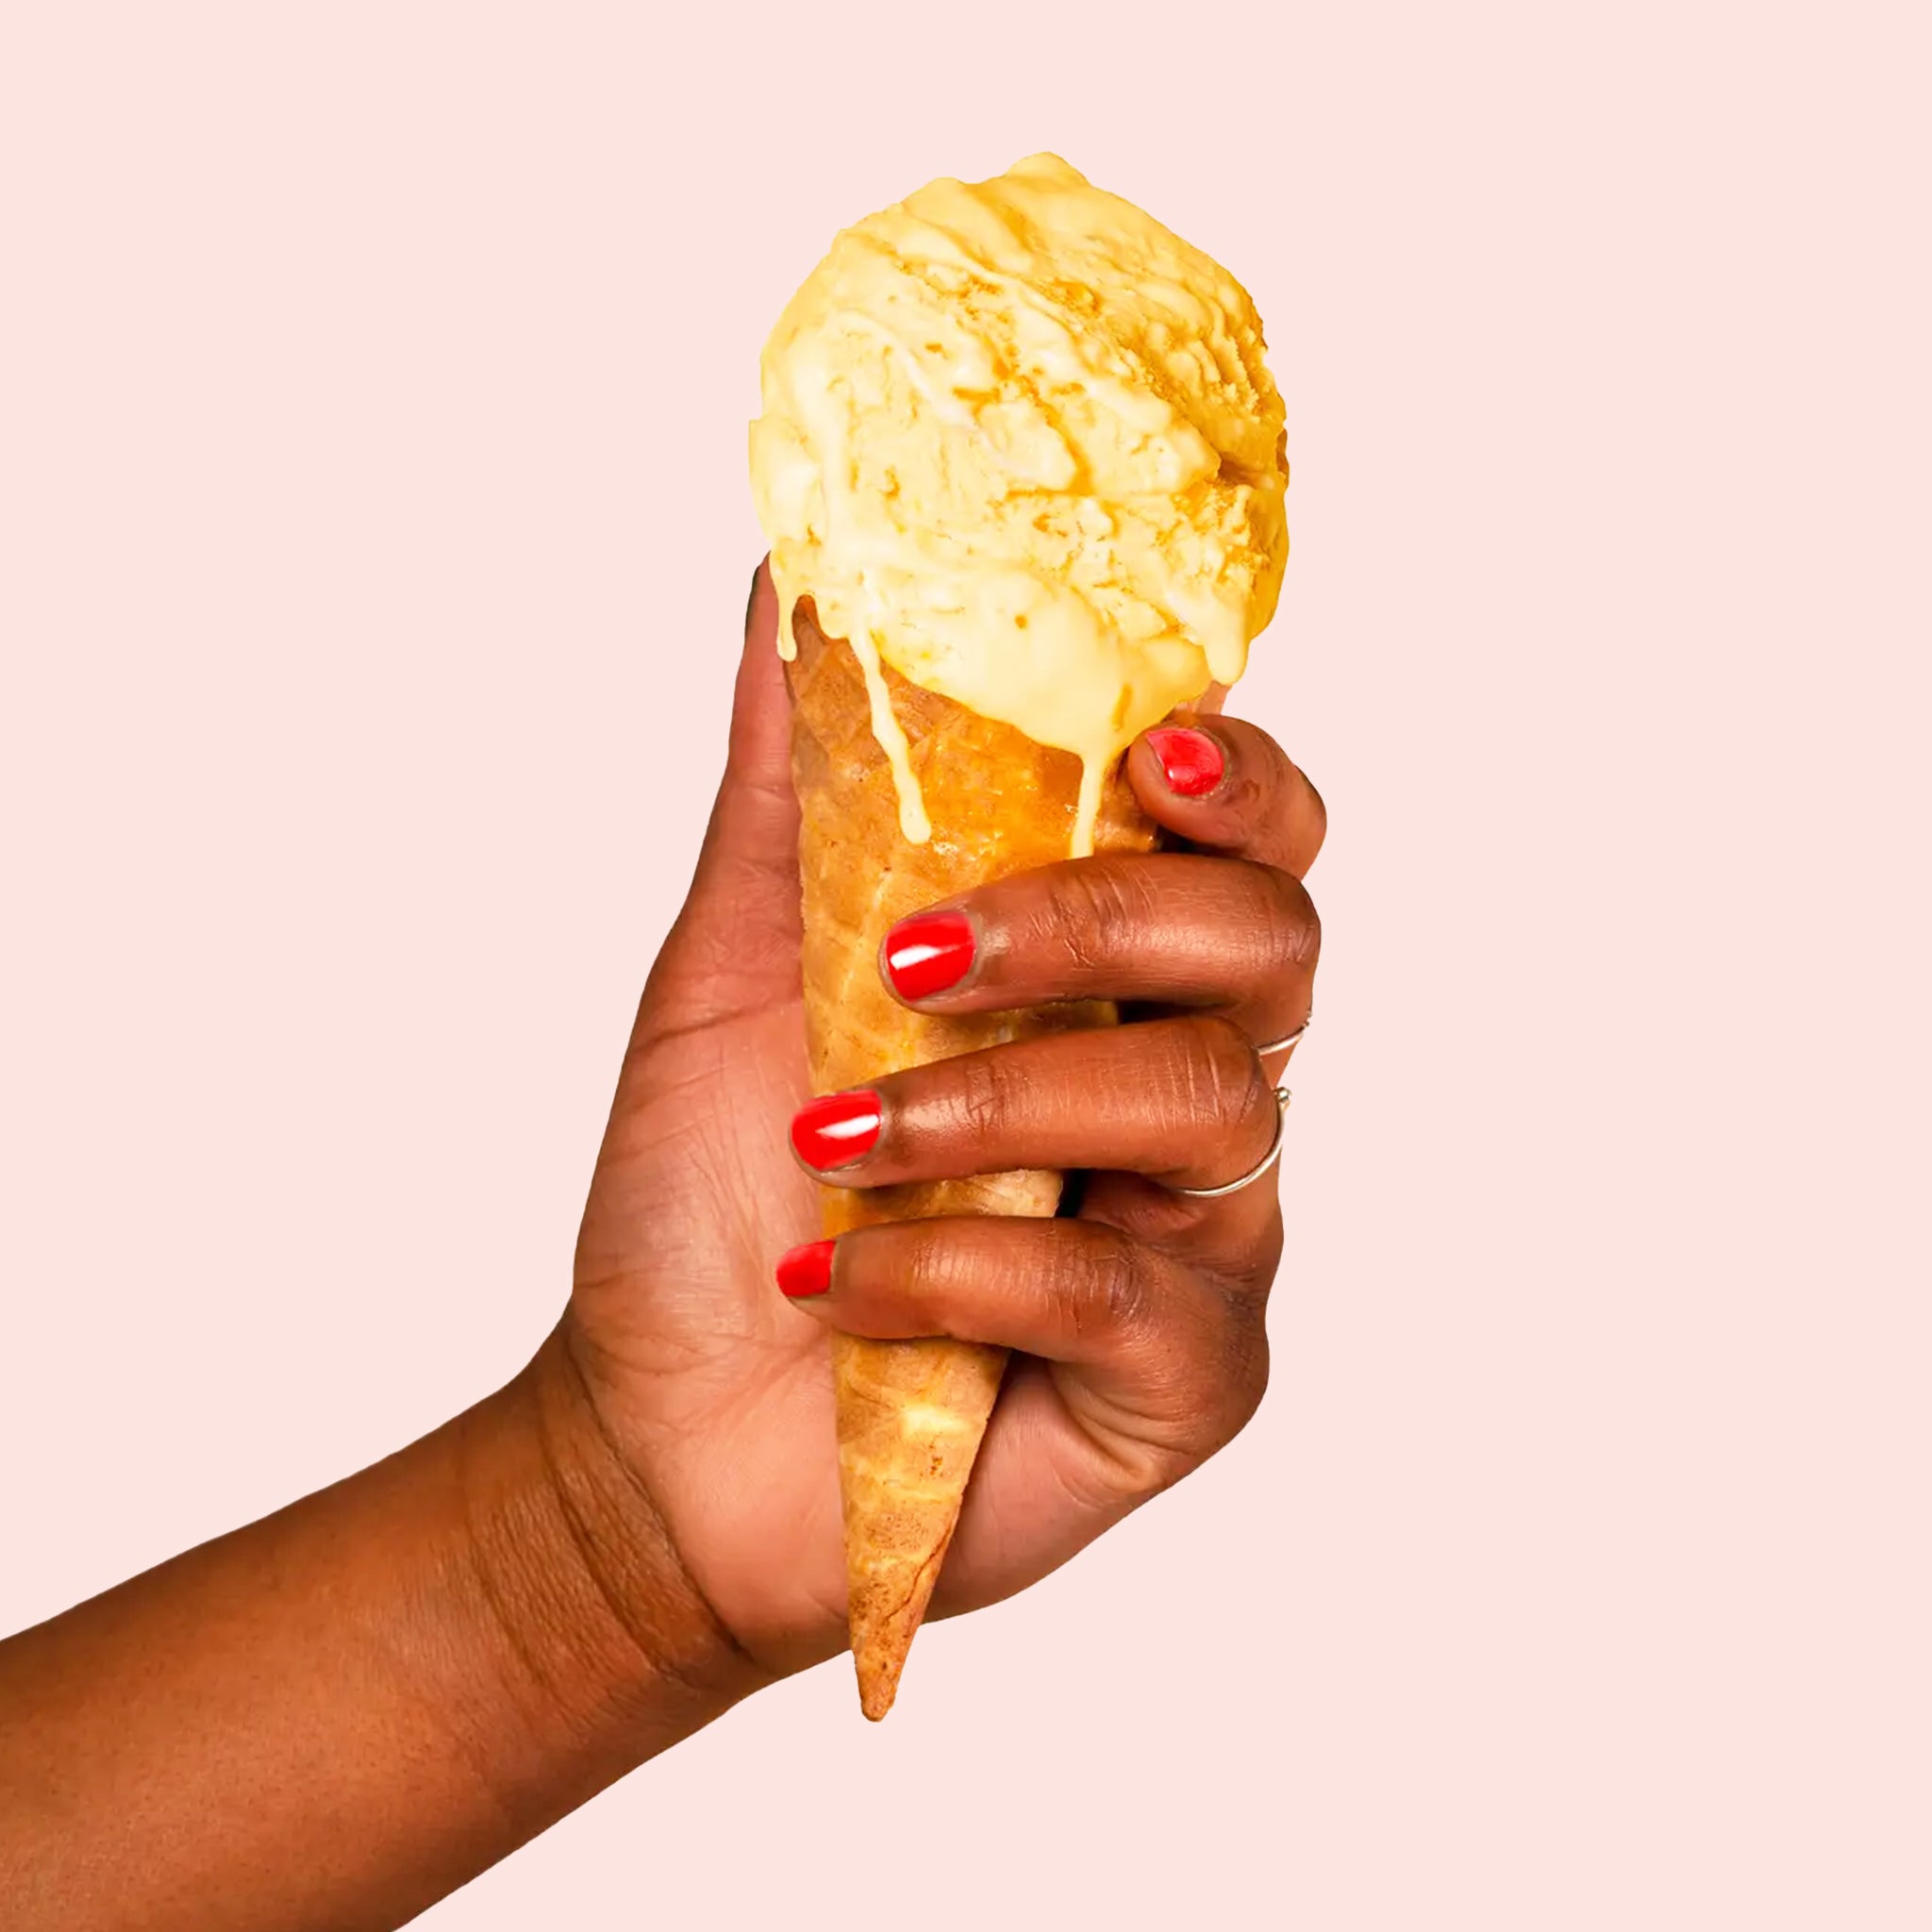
(1021, 456)
(911, 1414)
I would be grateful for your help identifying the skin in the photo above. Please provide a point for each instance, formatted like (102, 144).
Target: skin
(334, 1716)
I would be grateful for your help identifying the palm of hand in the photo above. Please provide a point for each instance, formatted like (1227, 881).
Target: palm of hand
(716, 1392)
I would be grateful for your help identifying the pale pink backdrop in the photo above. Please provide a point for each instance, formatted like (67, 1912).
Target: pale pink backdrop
(373, 539)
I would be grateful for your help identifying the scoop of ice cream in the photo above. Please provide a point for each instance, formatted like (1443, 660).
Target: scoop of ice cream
(1019, 441)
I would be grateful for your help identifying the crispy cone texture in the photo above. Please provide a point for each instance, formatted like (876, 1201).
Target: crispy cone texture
(911, 1414)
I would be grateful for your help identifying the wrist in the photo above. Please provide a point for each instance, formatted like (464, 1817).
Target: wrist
(609, 1651)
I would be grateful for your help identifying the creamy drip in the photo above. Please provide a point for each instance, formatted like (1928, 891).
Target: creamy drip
(1019, 442)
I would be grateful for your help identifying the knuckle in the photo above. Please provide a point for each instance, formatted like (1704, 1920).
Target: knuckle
(1210, 1380)
(1318, 814)
(1091, 915)
(1221, 1075)
(1229, 1371)
(1265, 773)
(1197, 1379)
(984, 1098)
(1284, 781)
(1294, 925)
(1099, 1287)
(927, 1265)
(1311, 932)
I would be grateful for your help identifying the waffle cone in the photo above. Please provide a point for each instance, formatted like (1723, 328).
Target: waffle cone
(911, 1414)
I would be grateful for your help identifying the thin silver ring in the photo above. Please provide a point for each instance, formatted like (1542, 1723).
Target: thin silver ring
(1295, 1038)
(1261, 1167)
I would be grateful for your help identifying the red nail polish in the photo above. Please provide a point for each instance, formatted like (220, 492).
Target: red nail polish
(806, 1271)
(928, 952)
(1190, 760)
(836, 1128)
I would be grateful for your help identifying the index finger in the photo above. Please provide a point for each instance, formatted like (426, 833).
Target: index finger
(1225, 784)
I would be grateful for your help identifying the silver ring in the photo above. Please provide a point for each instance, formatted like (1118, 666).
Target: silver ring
(1261, 1167)
(1295, 1038)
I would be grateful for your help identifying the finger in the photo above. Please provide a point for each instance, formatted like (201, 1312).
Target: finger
(1162, 1352)
(1226, 785)
(1184, 1102)
(1171, 928)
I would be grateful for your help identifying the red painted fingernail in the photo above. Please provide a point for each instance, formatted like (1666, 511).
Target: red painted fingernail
(836, 1128)
(1190, 760)
(928, 952)
(806, 1271)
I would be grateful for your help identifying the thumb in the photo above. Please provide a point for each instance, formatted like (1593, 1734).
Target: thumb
(756, 800)
(736, 943)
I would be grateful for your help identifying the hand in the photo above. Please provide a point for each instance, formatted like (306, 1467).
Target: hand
(334, 1716)
(1140, 1316)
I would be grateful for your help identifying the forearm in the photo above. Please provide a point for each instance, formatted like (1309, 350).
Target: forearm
(333, 1717)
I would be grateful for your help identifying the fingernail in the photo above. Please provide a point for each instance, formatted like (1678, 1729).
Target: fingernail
(1191, 761)
(836, 1128)
(928, 952)
(806, 1271)
(751, 598)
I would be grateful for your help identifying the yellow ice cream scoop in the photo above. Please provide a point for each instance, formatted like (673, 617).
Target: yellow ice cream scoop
(1019, 442)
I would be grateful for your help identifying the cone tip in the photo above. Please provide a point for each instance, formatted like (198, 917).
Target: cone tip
(879, 1679)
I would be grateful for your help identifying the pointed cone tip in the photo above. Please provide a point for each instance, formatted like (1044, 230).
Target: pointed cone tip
(878, 1670)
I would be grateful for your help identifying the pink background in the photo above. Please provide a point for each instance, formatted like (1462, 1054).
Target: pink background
(376, 531)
